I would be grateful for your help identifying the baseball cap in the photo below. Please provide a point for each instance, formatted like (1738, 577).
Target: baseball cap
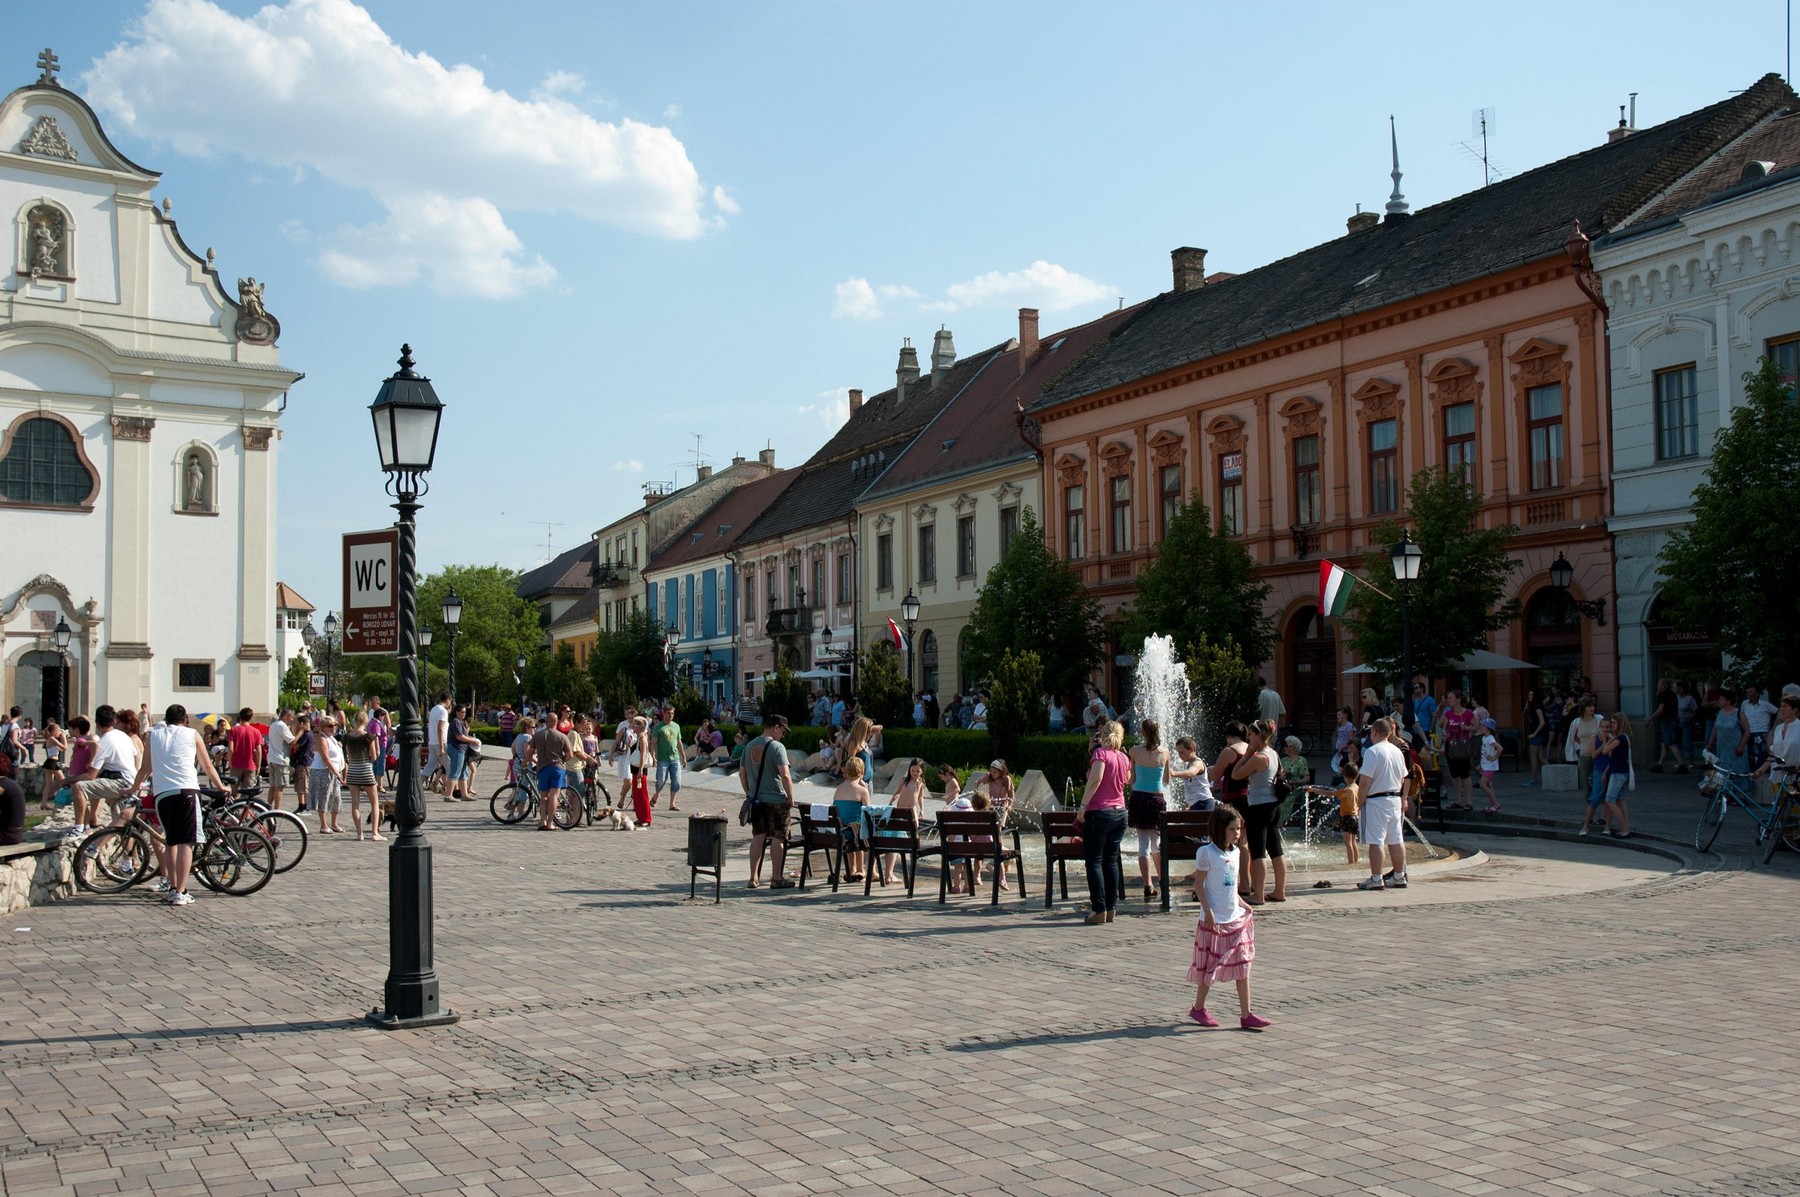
(1489, 724)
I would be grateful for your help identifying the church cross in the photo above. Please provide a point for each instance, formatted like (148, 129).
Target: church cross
(47, 62)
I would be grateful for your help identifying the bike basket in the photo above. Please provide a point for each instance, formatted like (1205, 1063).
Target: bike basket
(1709, 785)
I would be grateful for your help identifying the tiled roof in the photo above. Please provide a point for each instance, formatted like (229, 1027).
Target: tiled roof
(288, 599)
(725, 522)
(1776, 140)
(868, 443)
(1526, 218)
(980, 428)
(570, 573)
(581, 612)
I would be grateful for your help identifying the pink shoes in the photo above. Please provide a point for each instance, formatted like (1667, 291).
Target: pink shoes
(1199, 1015)
(1253, 1022)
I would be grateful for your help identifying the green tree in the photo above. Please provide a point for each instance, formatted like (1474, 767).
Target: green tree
(1033, 602)
(634, 649)
(497, 625)
(1461, 593)
(616, 693)
(1225, 684)
(1203, 585)
(881, 688)
(1730, 574)
(298, 678)
(785, 694)
(690, 705)
(1015, 701)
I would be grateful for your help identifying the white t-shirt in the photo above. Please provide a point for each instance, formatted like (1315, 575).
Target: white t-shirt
(1784, 747)
(1220, 886)
(119, 751)
(1385, 767)
(434, 728)
(280, 736)
(1490, 754)
(172, 767)
(333, 752)
(1756, 715)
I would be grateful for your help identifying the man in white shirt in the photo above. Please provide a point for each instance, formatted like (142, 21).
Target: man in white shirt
(281, 734)
(174, 758)
(1757, 714)
(1379, 790)
(437, 730)
(115, 764)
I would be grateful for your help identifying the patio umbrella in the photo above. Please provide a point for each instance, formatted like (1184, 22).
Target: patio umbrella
(1481, 659)
(1361, 669)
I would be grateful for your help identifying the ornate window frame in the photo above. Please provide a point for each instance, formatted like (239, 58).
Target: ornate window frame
(6, 444)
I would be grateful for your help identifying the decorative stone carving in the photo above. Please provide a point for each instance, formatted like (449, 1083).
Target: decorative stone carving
(1302, 416)
(254, 324)
(1115, 459)
(964, 503)
(1452, 382)
(257, 438)
(883, 522)
(1166, 449)
(1380, 399)
(1071, 470)
(924, 512)
(132, 428)
(46, 140)
(1539, 363)
(1008, 492)
(1227, 433)
(196, 485)
(129, 650)
(47, 250)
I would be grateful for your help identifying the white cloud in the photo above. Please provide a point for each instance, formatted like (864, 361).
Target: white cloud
(832, 409)
(856, 299)
(726, 202)
(318, 86)
(1045, 285)
(672, 112)
(628, 467)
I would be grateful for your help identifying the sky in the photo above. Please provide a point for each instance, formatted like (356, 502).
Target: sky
(609, 229)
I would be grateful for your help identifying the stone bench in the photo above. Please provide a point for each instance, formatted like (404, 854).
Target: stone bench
(35, 873)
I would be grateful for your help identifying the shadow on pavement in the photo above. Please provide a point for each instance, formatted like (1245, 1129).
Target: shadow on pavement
(1150, 1031)
(272, 1028)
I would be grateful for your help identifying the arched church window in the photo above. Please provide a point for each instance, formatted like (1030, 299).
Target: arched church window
(42, 463)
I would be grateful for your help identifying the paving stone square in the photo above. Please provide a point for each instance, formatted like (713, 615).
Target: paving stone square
(1557, 1017)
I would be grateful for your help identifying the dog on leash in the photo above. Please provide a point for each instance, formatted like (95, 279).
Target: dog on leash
(619, 820)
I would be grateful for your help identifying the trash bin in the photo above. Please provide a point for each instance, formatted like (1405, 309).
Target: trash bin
(706, 851)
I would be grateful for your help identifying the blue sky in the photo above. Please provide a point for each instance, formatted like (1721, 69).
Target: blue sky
(605, 228)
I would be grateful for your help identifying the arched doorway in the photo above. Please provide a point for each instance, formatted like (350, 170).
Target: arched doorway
(1312, 680)
(1553, 638)
(40, 680)
(928, 661)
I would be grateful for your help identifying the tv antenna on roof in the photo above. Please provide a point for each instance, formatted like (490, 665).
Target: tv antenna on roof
(1481, 127)
(700, 458)
(549, 553)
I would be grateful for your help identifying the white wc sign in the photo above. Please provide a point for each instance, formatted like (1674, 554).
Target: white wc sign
(371, 591)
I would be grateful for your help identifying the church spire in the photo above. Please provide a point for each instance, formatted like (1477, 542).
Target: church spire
(1396, 205)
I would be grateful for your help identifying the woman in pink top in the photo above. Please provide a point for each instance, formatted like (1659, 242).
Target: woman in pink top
(1101, 819)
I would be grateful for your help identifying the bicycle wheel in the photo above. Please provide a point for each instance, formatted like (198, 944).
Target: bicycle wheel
(568, 809)
(287, 835)
(600, 798)
(1770, 835)
(113, 860)
(236, 861)
(510, 804)
(1711, 817)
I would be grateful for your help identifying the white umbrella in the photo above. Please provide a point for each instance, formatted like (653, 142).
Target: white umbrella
(1481, 659)
(1361, 669)
(819, 675)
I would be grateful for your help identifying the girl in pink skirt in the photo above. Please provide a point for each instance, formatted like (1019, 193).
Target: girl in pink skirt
(1225, 940)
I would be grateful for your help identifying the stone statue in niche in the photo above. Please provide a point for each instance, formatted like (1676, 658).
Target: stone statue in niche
(46, 243)
(194, 483)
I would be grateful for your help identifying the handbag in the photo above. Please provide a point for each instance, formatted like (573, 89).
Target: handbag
(1457, 750)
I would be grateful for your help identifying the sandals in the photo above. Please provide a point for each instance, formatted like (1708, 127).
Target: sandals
(781, 883)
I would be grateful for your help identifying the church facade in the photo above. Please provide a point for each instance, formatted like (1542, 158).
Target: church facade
(140, 405)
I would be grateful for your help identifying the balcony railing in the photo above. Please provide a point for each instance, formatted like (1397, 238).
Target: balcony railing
(609, 575)
(789, 621)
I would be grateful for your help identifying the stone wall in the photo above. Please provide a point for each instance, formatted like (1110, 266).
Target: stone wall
(37, 879)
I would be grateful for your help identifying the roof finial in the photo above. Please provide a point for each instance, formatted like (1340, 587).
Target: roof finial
(48, 64)
(1396, 205)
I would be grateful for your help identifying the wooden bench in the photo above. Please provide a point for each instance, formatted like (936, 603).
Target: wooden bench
(1062, 843)
(896, 832)
(820, 835)
(1183, 831)
(970, 836)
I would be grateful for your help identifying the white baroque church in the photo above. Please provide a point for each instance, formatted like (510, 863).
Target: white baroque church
(140, 405)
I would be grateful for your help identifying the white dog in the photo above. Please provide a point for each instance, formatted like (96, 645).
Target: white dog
(620, 820)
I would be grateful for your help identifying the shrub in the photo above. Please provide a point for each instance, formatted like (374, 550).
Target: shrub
(690, 705)
(881, 689)
(939, 745)
(784, 694)
(488, 734)
(1016, 700)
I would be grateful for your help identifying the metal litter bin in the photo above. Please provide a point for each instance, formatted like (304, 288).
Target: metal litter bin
(706, 851)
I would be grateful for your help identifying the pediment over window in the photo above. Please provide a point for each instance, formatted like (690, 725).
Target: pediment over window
(1226, 433)
(1070, 469)
(1539, 363)
(1380, 399)
(1166, 448)
(1303, 415)
(1115, 459)
(1453, 381)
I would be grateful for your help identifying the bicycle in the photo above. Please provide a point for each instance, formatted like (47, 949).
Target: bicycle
(286, 831)
(581, 802)
(515, 801)
(235, 859)
(1776, 822)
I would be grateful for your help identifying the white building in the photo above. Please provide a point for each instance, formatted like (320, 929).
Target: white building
(292, 613)
(139, 405)
(1699, 287)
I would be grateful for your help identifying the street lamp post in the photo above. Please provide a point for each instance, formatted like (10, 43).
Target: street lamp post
(452, 618)
(60, 636)
(671, 641)
(909, 614)
(519, 667)
(1562, 574)
(331, 635)
(406, 414)
(1407, 557)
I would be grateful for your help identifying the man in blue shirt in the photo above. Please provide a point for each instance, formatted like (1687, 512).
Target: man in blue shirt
(837, 713)
(1425, 710)
(821, 709)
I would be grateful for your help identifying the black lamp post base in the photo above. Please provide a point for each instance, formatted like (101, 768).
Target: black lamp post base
(393, 1022)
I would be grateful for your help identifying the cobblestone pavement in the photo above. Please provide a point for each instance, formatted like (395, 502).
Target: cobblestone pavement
(1627, 1035)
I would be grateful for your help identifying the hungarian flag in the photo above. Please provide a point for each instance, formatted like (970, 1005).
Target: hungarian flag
(1334, 589)
(898, 635)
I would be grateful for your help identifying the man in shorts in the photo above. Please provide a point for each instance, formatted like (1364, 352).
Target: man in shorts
(437, 731)
(115, 763)
(281, 734)
(1380, 789)
(665, 739)
(550, 751)
(769, 783)
(174, 759)
(246, 744)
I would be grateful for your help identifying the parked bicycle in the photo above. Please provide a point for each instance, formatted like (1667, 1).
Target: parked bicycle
(236, 859)
(1776, 822)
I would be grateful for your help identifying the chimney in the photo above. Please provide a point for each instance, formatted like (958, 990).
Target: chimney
(767, 457)
(1619, 131)
(1190, 268)
(702, 473)
(943, 355)
(1028, 337)
(737, 459)
(907, 372)
(1362, 222)
(855, 399)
